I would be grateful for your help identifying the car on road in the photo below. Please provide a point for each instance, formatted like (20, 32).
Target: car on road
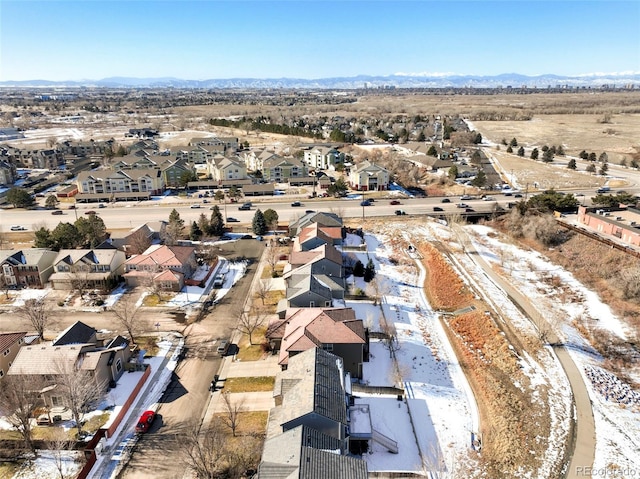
(462, 205)
(469, 210)
(225, 238)
(232, 220)
(194, 206)
(296, 203)
(145, 421)
(445, 200)
(400, 212)
(365, 203)
(56, 212)
(465, 197)
(72, 207)
(517, 195)
(18, 228)
(309, 211)
(244, 207)
(437, 208)
(394, 202)
(90, 212)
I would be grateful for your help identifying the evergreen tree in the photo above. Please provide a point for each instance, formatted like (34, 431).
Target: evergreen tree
(19, 198)
(204, 224)
(591, 168)
(92, 230)
(480, 180)
(196, 233)
(478, 139)
(66, 236)
(634, 164)
(358, 269)
(51, 202)
(603, 157)
(521, 151)
(422, 137)
(604, 167)
(271, 218)
(509, 149)
(174, 229)
(259, 224)
(534, 154)
(369, 271)
(432, 151)
(583, 155)
(592, 156)
(547, 156)
(560, 150)
(43, 239)
(513, 143)
(453, 173)
(216, 223)
(572, 164)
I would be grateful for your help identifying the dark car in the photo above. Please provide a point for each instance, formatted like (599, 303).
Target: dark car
(225, 238)
(469, 210)
(244, 207)
(394, 202)
(365, 203)
(445, 200)
(400, 212)
(310, 211)
(90, 212)
(56, 212)
(145, 421)
(437, 208)
(233, 220)
(517, 195)
(296, 203)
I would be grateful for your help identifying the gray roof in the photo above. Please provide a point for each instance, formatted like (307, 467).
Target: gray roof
(314, 384)
(77, 333)
(319, 464)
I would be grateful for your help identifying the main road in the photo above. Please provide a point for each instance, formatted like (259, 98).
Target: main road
(122, 215)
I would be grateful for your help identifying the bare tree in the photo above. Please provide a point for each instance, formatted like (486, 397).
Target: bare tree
(391, 342)
(203, 451)
(271, 257)
(263, 289)
(231, 415)
(128, 316)
(138, 242)
(19, 398)
(79, 389)
(377, 288)
(58, 444)
(249, 322)
(38, 312)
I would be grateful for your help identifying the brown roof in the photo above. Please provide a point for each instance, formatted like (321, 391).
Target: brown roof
(163, 255)
(307, 328)
(9, 339)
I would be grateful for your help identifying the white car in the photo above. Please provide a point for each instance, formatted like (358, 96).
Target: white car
(194, 206)
(18, 228)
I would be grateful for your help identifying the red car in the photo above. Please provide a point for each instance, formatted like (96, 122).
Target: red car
(394, 202)
(145, 421)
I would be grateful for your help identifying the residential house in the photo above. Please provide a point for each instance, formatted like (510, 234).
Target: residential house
(323, 157)
(8, 171)
(174, 172)
(336, 330)
(311, 392)
(76, 349)
(306, 453)
(306, 291)
(167, 267)
(314, 235)
(134, 241)
(324, 260)
(255, 159)
(87, 269)
(367, 176)
(10, 344)
(29, 268)
(322, 218)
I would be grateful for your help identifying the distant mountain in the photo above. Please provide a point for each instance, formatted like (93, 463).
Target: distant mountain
(595, 80)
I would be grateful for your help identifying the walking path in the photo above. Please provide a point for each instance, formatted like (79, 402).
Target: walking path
(584, 434)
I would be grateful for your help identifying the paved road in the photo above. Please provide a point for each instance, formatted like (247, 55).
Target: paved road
(581, 452)
(158, 455)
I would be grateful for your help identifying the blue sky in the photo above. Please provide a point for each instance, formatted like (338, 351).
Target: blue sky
(93, 39)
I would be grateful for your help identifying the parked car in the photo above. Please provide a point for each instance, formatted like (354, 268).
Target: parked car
(223, 347)
(18, 228)
(445, 200)
(145, 421)
(365, 203)
(232, 220)
(394, 202)
(56, 212)
(400, 212)
(218, 281)
(296, 203)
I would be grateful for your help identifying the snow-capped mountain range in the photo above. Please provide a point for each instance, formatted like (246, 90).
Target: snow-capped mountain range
(398, 80)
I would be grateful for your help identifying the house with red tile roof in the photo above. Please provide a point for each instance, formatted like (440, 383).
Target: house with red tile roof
(168, 267)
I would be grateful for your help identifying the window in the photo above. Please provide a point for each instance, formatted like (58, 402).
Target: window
(6, 352)
(119, 365)
(328, 347)
(1, 373)
(56, 401)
